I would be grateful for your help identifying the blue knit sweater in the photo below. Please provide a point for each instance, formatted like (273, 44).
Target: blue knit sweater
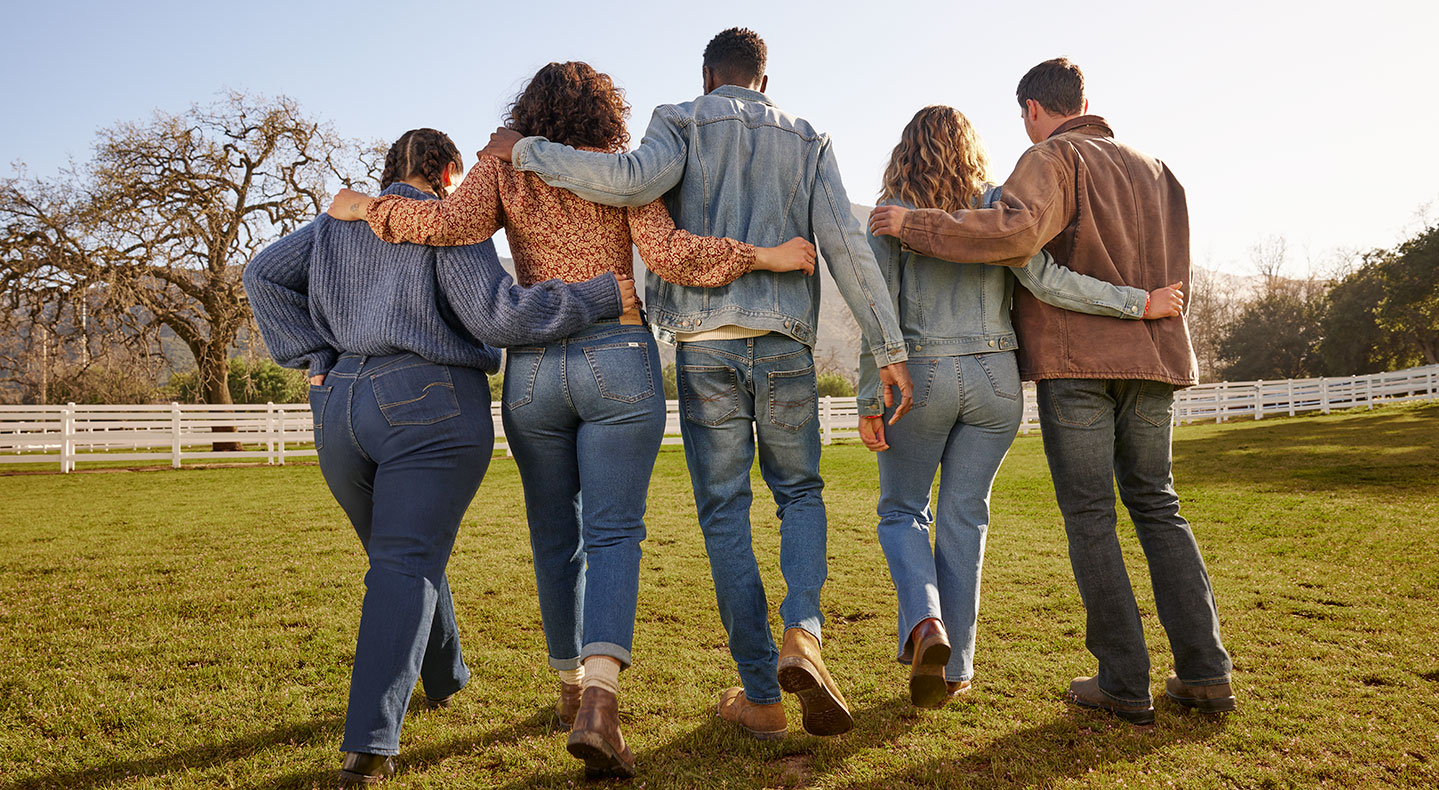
(332, 287)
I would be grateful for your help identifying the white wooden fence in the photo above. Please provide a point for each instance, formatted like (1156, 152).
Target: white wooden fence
(174, 433)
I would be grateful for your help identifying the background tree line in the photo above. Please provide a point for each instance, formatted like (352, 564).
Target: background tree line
(120, 279)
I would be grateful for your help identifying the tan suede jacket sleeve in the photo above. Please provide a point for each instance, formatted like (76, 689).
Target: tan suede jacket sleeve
(1035, 206)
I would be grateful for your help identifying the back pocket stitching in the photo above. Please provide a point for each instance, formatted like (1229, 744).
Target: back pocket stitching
(600, 379)
(812, 398)
(732, 392)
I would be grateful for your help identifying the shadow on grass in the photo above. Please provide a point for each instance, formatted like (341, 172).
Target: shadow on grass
(1378, 449)
(197, 757)
(1045, 754)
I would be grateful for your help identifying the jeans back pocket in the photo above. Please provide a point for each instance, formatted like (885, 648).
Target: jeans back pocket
(420, 394)
(709, 393)
(319, 396)
(622, 370)
(793, 397)
(522, 365)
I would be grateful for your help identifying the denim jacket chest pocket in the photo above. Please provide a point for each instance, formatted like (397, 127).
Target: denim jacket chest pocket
(420, 394)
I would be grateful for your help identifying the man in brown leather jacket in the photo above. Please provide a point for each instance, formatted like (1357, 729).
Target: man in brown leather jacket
(1106, 387)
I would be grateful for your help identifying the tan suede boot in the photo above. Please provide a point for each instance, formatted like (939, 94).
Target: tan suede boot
(802, 673)
(1218, 698)
(568, 704)
(596, 736)
(765, 722)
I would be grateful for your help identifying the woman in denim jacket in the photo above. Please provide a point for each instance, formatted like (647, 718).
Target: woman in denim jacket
(967, 397)
(394, 337)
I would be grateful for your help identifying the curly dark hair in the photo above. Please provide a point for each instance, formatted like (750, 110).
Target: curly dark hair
(421, 152)
(737, 54)
(573, 104)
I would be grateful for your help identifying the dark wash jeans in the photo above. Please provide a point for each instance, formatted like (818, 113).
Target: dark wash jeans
(1098, 432)
(585, 417)
(736, 395)
(403, 445)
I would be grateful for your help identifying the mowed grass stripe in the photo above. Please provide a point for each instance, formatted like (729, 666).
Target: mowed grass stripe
(195, 629)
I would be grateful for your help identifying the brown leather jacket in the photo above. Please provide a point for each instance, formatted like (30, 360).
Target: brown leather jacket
(1103, 209)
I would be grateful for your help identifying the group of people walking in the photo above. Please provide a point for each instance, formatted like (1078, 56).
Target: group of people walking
(397, 316)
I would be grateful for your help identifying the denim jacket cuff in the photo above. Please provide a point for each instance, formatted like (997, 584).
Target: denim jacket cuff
(889, 355)
(517, 154)
(1134, 303)
(870, 408)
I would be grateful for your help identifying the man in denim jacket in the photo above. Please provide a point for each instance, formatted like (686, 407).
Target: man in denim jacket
(730, 163)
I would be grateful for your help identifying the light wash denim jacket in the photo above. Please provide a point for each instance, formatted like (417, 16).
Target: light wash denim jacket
(952, 309)
(732, 164)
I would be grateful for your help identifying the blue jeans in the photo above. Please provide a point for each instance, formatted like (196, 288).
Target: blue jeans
(403, 444)
(585, 417)
(1097, 432)
(966, 412)
(732, 391)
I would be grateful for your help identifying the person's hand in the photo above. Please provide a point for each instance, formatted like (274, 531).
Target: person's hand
(871, 432)
(629, 299)
(896, 375)
(317, 379)
(1165, 302)
(887, 220)
(502, 144)
(349, 205)
(797, 254)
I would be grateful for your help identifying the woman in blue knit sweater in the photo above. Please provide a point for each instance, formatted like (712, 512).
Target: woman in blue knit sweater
(395, 339)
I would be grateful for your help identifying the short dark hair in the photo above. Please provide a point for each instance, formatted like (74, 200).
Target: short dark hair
(1058, 86)
(736, 54)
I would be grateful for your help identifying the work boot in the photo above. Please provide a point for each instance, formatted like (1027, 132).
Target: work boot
(1218, 698)
(1085, 692)
(360, 768)
(596, 738)
(930, 646)
(802, 673)
(568, 704)
(765, 722)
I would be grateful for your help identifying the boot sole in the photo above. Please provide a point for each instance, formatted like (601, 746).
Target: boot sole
(1211, 705)
(350, 778)
(600, 758)
(1132, 716)
(929, 691)
(823, 713)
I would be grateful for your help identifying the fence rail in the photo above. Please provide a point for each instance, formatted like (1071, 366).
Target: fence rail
(175, 433)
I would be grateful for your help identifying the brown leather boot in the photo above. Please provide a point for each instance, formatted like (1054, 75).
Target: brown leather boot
(957, 688)
(930, 645)
(765, 722)
(1218, 698)
(596, 738)
(1086, 693)
(360, 768)
(802, 673)
(568, 705)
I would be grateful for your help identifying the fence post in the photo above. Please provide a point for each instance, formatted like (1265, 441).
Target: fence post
(174, 435)
(1259, 399)
(269, 433)
(280, 441)
(1369, 390)
(67, 438)
(1324, 395)
(1291, 397)
(825, 417)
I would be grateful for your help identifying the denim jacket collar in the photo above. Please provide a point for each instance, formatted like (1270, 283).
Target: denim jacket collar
(743, 94)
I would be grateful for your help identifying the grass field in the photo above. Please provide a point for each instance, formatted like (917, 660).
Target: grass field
(195, 629)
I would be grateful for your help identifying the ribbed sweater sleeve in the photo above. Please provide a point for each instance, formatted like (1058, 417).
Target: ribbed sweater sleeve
(497, 311)
(277, 284)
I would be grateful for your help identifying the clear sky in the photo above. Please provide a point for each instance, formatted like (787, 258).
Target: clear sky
(1310, 120)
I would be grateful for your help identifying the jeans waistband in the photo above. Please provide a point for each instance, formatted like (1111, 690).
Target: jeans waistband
(351, 365)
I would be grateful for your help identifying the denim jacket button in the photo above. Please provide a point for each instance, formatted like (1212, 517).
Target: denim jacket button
(991, 344)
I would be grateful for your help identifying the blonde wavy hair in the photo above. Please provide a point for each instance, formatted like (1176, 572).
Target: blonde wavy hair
(940, 162)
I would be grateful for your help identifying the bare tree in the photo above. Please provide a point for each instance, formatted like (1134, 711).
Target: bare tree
(156, 229)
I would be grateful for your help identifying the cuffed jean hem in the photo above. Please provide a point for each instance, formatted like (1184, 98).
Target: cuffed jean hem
(1206, 682)
(811, 625)
(564, 664)
(609, 649)
(764, 700)
(369, 750)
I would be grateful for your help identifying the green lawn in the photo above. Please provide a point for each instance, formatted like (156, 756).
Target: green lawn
(195, 628)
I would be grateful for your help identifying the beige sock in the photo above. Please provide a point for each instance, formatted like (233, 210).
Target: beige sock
(572, 677)
(602, 671)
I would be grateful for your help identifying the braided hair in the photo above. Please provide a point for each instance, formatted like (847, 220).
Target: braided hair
(421, 152)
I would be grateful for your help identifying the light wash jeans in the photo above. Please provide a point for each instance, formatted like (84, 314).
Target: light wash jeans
(403, 444)
(585, 416)
(966, 412)
(733, 392)
(1097, 432)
